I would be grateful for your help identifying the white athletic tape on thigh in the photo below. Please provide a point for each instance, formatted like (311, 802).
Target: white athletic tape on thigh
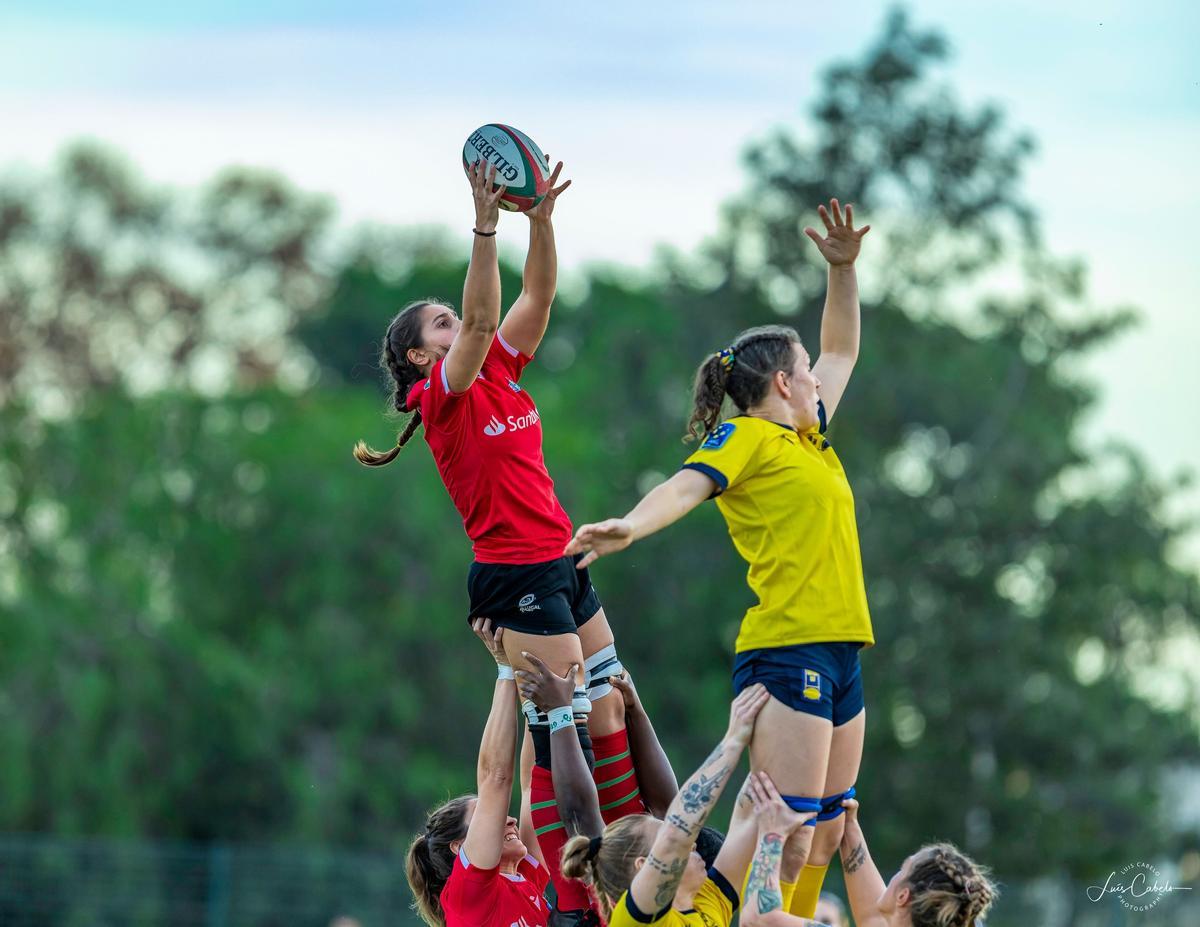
(580, 703)
(534, 717)
(600, 665)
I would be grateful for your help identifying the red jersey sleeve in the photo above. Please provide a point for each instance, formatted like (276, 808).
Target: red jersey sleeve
(439, 405)
(470, 892)
(535, 872)
(505, 356)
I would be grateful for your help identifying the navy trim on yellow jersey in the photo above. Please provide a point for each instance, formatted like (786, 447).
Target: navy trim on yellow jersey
(637, 914)
(821, 415)
(712, 473)
(719, 880)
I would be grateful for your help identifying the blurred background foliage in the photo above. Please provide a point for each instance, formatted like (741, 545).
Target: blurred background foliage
(215, 627)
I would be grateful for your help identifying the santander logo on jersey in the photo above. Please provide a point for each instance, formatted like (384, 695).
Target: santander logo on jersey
(512, 423)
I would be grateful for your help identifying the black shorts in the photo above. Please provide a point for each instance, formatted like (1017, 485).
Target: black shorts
(533, 598)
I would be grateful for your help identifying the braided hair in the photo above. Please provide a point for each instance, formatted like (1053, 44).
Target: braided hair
(403, 334)
(430, 859)
(742, 371)
(607, 862)
(949, 889)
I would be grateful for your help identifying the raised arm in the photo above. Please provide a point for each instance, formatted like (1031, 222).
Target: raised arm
(525, 323)
(574, 788)
(840, 319)
(864, 884)
(664, 505)
(655, 776)
(763, 904)
(494, 772)
(654, 886)
(734, 856)
(481, 291)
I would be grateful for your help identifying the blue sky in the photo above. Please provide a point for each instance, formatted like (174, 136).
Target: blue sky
(370, 102)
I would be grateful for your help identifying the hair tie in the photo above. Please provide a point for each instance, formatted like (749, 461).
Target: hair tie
(727, 358)
(593, 848)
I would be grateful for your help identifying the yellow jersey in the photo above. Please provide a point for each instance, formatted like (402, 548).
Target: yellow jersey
(712, 907)
(790, 512)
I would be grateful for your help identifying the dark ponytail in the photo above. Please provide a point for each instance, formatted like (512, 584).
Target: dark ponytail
(403, 333)
(743, 372)
(430, 859)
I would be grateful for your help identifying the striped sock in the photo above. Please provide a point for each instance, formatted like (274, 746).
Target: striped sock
(616, 783)
(551, 837)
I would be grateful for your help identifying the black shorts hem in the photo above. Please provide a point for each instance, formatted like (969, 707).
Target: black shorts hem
(547, 598)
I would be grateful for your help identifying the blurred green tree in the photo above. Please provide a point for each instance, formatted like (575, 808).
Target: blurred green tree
(213, 624)
(107, 282)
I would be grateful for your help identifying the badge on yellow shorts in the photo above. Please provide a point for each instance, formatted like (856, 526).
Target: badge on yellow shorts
(812, 685)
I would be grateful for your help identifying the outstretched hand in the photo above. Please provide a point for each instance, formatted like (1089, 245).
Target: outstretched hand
(841, 244)
(543, 210)
(604, 537)
(482, 175)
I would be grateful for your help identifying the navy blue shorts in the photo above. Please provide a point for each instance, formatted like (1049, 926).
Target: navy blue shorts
(819, 679)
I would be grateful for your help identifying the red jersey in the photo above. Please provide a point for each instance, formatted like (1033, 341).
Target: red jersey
(490, 898)
(487, 443)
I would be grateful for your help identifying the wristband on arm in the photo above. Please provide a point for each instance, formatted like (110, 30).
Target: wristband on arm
(561, 718)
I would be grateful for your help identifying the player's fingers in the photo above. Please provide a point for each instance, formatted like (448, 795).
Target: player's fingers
(557, 170)
(812, 233)
(850, 216)
(535, 661)
(768, 786)
(588, 560)
(863, 231)
(757, 795)
(756, 704)
(837, 212)
(558, 190)
(824, 214)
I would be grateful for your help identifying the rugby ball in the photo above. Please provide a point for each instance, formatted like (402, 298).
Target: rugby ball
(520, 164)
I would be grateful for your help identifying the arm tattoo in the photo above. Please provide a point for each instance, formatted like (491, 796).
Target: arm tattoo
(680, 822)
(699, 793)
(764, 874)
(855, 860)
(670, 875)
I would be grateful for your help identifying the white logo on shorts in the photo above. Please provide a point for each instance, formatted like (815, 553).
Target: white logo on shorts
(526, 604)
(494, 427)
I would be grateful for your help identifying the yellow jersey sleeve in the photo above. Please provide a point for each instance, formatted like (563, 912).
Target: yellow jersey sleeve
(728, 455)
(716, 901)
(627, 914)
